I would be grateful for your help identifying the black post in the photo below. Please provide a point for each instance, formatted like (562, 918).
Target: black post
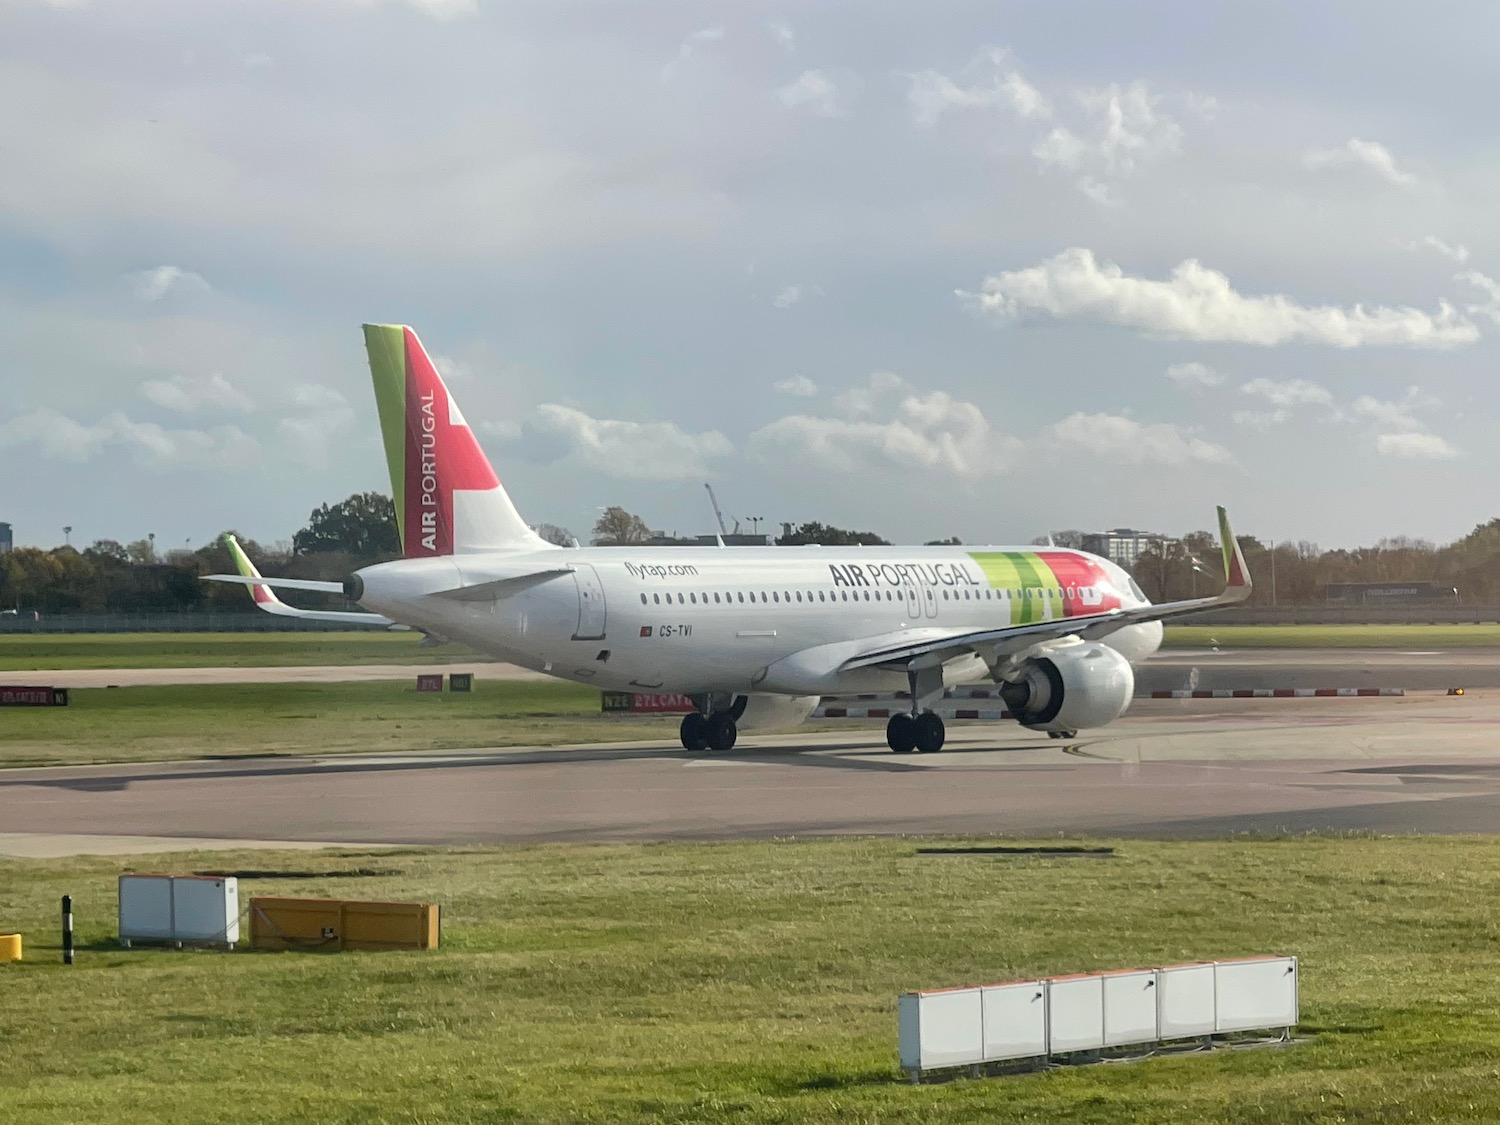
(67, 905)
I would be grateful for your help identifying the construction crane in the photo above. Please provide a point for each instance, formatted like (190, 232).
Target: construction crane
(718, 515)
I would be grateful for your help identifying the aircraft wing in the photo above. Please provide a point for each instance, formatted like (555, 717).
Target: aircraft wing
(998, 643)
(266, 599)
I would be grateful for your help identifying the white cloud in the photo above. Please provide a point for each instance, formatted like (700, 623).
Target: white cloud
(1491, 306)
(1406, 436)
(1205, 106)
(63, 438)
(933, 432)
(1200, 304)
(783, 34)
(1455, 252)
(1100, 192)
(1415, 446)
(1194, 375)
(154, 284)
(931, 94)
(1127, 128)
(452, 370)
(445, 9)
(792, 294)
(315, 396)
(816, 89)
(1118, 438)
(628, 450)
(692, 43)
(1393, 415)
(798, 386)
(1356, 153)
(186, 394)
(1259, 419)
(1289, 392)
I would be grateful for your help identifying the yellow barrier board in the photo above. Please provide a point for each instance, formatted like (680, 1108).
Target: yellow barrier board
(10, 947)
(338, 924)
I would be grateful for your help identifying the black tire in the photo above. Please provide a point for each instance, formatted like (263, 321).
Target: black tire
(901, 733)
(722, 731)
(694, 731)
(929, 732)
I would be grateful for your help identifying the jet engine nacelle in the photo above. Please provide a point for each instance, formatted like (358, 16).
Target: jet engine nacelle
(756, 712)
(1070, 689)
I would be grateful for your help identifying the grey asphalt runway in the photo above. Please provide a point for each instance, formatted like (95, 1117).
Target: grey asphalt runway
(1424, 763)
(1166, 671)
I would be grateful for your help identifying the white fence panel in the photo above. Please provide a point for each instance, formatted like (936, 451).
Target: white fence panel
(941, 1028)
(1015, 1020)
(1185, 1001)
(1129, 1007)
(1075, 1014)
(1254, 994)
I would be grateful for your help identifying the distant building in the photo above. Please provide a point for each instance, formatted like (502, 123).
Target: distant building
(1122, 545)
(1389, 593)
(5, 539)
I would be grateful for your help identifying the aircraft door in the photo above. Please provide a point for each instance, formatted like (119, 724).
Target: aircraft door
(913, 597)
(591, 607)
(921, 598)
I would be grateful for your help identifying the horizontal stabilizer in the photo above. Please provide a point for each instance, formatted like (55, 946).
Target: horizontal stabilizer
(282, 583)
(502, 587)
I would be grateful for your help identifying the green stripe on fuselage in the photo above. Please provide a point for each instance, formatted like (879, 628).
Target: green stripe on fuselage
(1017, 571)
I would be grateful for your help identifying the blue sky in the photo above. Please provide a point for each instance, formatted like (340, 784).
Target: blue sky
(969, 269)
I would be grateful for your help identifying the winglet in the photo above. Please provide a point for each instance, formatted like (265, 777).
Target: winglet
(1236, 573)
(263, 595)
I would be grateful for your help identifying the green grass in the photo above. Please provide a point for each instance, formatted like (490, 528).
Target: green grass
(21, 652)
(756, 983)
(142, 724)
(1334, 636)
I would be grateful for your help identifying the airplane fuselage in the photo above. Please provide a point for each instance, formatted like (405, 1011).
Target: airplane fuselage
(777, 620)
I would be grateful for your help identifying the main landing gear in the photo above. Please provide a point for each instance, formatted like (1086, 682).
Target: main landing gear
(906, 732)
(701, 732)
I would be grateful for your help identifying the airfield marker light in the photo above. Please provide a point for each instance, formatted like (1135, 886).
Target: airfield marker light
(67, 927)
(1455, 691)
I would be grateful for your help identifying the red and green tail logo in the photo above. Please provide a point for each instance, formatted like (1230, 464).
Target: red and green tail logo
(447, 496)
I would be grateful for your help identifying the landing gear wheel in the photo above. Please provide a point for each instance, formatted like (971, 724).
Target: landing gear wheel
(721, 731)
(930, 732)
(1062, 734)
(901, 733)
(694, 731)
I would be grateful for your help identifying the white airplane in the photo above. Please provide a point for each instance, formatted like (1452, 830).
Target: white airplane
(754, 636)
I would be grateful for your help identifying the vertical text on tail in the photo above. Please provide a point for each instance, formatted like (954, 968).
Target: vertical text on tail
(448, 499)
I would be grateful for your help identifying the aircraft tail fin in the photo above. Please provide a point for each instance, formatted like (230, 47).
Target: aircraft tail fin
(1236, 573)
(448, 499)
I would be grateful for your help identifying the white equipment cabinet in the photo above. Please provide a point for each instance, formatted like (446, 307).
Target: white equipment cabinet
(201, 909)
(1093, 1012)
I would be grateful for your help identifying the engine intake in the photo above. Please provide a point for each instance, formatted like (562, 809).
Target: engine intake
(1074, 688)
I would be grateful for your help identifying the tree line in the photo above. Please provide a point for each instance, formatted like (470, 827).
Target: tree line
(112, 577)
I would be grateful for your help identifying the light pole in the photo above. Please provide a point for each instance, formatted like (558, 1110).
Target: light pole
(67, 532)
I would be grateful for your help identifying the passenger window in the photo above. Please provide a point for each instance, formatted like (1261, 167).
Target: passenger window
(681, 600)
(693, 598)
(799, 595)
(656, 598)
(643, 599)
(741, 596)
(775, 597)
(945, 595)
(844, 595)
(867, 595)
(820, 596)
